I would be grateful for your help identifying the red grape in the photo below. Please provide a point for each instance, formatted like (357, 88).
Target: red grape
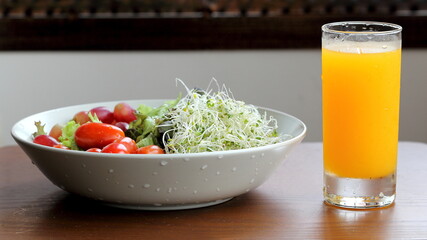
(104, 115)
(123, 112)
(81, 117)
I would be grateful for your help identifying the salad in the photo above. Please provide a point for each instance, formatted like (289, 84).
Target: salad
(202, 121)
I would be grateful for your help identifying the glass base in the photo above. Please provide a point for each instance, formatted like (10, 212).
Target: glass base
(359, 193)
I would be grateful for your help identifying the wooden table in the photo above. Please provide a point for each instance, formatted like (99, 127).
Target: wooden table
(288, 206)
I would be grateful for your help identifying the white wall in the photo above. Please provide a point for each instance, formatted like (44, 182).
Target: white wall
(287, 80)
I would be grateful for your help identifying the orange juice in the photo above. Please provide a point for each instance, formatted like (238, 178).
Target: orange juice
(360, 94)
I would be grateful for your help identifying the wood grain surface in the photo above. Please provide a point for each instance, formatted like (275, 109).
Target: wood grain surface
(288, 206)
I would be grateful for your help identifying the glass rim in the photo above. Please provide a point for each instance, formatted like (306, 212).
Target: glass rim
(395, 29)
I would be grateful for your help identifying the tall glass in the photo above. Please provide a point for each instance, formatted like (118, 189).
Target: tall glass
(360, 94)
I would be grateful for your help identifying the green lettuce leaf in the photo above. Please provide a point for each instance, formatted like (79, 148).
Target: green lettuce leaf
(145, 127)
(67, 137)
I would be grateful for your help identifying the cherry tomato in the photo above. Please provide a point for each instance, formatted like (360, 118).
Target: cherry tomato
(81, 117)
(61, 146)
(96, 135)
(151, 149)
(115, 147)
(122, 125)
(123, 112)
(45, 140)
(98, 150)
(56, 131)
(129, 143)
(104, 115)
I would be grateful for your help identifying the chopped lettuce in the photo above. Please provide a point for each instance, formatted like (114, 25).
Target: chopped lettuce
(144, 109)
(93, 117)
(145, 129)
(40, 129)
(67, 137)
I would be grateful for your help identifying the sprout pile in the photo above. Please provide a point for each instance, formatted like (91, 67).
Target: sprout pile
(207, 121)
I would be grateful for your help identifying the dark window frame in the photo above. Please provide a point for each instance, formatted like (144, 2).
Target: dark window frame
(202, 25)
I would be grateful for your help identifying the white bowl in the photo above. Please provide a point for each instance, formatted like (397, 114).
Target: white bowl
(155, 182)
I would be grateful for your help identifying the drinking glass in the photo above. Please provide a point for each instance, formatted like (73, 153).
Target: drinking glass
(361, 64)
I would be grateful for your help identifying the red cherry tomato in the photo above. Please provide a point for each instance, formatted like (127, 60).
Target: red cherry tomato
(98, 150)
(104, 115)
(115, 147)
(56, 131)
(151, 149)
(45, 140)
(97, 135)
(81, 117)
(123, 112)
(129, 143)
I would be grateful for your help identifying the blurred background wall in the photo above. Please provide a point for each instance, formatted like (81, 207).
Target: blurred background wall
(287, 80)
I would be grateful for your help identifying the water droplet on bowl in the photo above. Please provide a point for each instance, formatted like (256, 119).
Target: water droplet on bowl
(204, 167)
(220, 156)
(111, 171)
(252, 180)
(131, 186)
(157, 189)
(83, 165)
(262, 154)
(234, 169)
(253, 156)
(186, 159)
(163, 163)
(195, 192)
(90, 189)
(218, 173)
(157, 204)
(218, 189)
(147, 185)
